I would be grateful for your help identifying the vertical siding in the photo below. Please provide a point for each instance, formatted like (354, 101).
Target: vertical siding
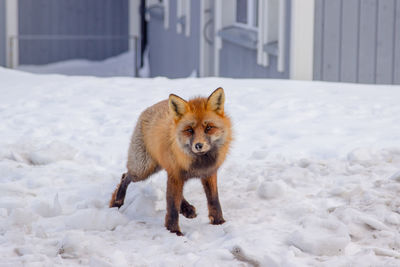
(385, 41)
(108, 28)
(349, 41)
(24, 24)
(100, 24)
(171, 54)
(54, 26)
(124, 22)
(318, 29)
(80, 18)
(3, 41)
(44, 51)
(396, 52)
(71, 28)
(91, 27)
(331, 40)
(357, 41)
(367, 47)
(71, 17)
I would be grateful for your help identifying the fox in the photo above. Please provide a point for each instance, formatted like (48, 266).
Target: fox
(188, 139)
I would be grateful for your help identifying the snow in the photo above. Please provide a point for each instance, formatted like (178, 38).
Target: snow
(120, 65)
(321, 237)
(312, 178)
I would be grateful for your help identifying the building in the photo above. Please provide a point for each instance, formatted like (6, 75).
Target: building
(330, 40)
(45, 31)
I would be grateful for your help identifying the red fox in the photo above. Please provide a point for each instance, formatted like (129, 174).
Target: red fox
(186, 138)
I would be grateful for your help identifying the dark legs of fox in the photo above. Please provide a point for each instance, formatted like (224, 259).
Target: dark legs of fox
(117, 200)
(214, 207)
(174, 202)
(118, 196)
(187, 210)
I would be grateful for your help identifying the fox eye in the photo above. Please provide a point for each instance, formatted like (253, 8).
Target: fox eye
(189, 130)
(208, 128)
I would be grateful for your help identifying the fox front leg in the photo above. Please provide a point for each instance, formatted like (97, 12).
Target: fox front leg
(214, 207)
(187, 210)
(174, 200)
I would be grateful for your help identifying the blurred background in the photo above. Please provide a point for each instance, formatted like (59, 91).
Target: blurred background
(330, 40)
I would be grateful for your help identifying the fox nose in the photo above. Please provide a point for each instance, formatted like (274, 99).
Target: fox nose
(198, 146)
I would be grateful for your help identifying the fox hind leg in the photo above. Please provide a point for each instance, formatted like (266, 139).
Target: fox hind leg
(140, 166)
(118, 197)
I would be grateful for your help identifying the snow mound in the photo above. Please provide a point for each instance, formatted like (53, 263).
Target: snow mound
(120, 65)
(45, 210)
(321, 237)
(144, 201)
(363, 156)
(42, 154)
(395, 176)
(367, 156)
(94, 219)
(23, 217)
(270, 190)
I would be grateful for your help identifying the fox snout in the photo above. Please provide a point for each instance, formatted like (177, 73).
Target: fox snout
(200, 147)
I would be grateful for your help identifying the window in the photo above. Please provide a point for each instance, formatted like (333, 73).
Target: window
(247, 13)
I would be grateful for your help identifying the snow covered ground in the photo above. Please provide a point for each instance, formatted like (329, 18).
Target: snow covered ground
(121, 65)
(313, 177)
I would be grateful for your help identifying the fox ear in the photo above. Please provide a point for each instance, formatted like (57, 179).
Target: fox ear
(177, 106)
(216, 100)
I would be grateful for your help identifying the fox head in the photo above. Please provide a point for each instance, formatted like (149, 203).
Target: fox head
(201, 125)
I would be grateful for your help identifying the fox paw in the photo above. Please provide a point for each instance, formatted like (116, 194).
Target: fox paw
(189, 211)
(116, 203)
(175, 230)
(216, 219)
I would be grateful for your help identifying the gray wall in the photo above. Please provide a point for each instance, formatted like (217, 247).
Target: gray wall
(357, 41)
(239, 62)
(71, 17)
(3, 41)
(174, 55)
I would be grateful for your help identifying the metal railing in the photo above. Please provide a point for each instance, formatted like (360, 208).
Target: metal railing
(134, 43)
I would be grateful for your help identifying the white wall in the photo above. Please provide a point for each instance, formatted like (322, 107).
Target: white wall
(2, 33)
(134, 19)
(11, 30)
(302, 40)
